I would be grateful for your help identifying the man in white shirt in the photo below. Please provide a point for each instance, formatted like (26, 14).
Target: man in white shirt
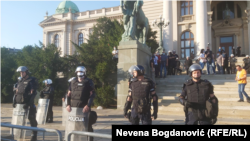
(156, 65)
(115, 54)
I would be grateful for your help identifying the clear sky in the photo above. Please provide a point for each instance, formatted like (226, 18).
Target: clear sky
(20, 19)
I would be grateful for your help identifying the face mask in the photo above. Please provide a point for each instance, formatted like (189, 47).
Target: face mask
(114, 48)
(80, 74)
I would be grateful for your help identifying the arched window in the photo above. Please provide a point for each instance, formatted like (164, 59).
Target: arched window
(186, 8)
(80, 39)
(187, 45)
(56, 40)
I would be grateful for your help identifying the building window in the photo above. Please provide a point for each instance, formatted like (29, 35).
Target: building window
(187, 45)
(56, 41)
(80, 39)
(186, 8)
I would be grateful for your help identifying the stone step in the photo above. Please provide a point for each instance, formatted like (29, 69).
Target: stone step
(220, 98)
(215, 86)
(162, 88)
(162, 102)
(178, 92)
(232, 113)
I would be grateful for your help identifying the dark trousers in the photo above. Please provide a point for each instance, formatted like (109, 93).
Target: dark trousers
(226, 68)
(157, 70)
(170, 70)
(193, 118)
(50, 112)
(238, 53)
(233, 69)
(32, 118)
(144, 118)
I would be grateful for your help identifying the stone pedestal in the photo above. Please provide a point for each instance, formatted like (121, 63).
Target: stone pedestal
(130, 53)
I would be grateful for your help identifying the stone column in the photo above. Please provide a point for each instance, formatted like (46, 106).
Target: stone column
(209, 29)
(168, 31)
(46, 38)
(130, 53)
(201, 26)
(174, 25)
(248, 20)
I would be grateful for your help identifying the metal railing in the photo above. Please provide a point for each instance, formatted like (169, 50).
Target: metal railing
(33, 129)
(99, 135)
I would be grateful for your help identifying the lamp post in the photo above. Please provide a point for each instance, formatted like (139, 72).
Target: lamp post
(161, 24)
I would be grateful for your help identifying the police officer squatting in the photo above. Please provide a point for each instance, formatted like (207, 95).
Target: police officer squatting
(79, 100)
(141, 92)
(197, 97)
(24, 98)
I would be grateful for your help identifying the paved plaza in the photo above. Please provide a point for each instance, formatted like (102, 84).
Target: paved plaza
(106, 118)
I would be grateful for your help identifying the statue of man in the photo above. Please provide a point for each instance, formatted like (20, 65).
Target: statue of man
(129, 18)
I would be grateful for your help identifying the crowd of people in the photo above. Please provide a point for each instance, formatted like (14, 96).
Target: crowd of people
(167, 62)
(223, 62)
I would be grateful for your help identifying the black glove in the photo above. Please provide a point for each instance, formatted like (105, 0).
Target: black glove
(127, 106)
(14, 105)
(14, 101)
(213, 121)
(25, 106)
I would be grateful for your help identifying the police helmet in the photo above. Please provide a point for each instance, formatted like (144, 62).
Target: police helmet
(140, 70)
(48, 81)
(194, 67)
(72, 78)
(81, 69)
(130, 70)
(22, 69)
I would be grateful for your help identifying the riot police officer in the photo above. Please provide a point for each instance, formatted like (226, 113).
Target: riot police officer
(25, 94)
(141, 91)
(81, 95)
(195, 96)
(48, 93)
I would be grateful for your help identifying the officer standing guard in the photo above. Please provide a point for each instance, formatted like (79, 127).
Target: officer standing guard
(81, 95)
(25, 94)
(48, 93)
(201, 105)
(141, 91)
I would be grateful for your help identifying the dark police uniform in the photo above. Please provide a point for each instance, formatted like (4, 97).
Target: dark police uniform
(197, 94)
(80, 97)
(48, 93)
(141, 95)
(24, 96)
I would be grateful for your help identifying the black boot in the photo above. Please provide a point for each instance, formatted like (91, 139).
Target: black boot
(33, 136)
(51, 117)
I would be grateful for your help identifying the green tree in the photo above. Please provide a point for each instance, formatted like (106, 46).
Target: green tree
(8, 68)
(44, 63)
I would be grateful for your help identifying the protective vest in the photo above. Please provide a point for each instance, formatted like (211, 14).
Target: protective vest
(140, 95)
(80, 93)
(46, 95)
(198, 93)
(23, 90)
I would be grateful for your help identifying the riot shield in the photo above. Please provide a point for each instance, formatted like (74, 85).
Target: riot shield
(78, 121)
(42, 110)
(64, 113)
(19, 117)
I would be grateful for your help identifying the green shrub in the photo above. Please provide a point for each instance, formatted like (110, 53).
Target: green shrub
(104, 96)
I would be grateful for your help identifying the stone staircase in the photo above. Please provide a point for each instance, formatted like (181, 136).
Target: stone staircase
(225, 89)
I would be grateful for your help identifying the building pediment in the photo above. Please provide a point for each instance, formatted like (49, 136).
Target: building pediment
(227, 24)
(50, 20)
